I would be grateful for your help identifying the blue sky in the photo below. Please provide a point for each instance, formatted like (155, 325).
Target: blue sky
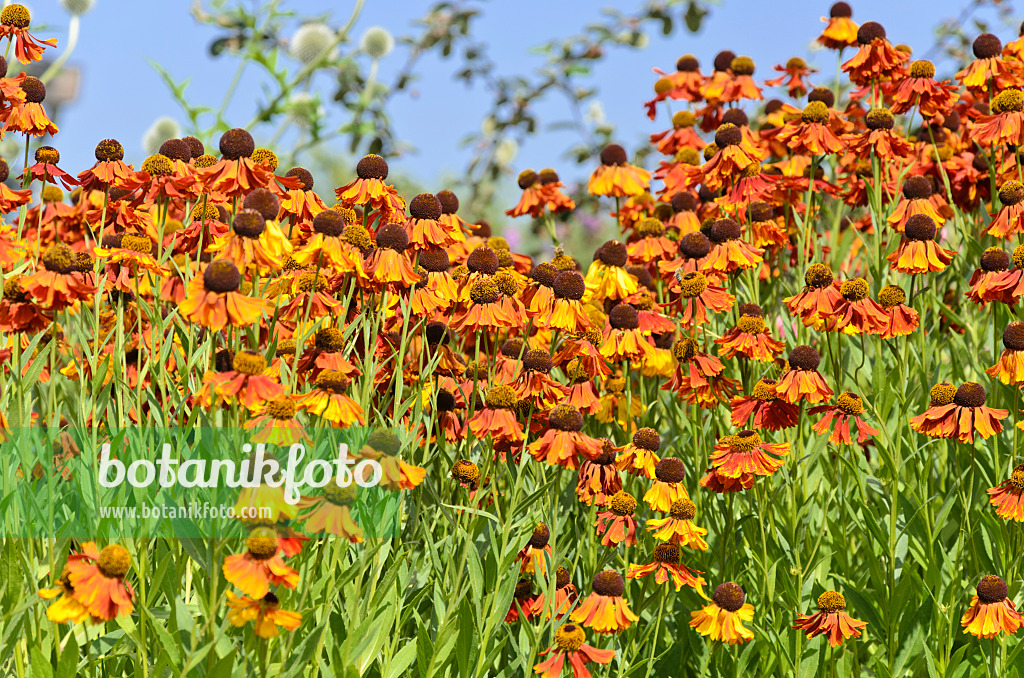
(121, 94)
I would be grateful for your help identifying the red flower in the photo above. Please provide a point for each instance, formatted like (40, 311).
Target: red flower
(847, 410)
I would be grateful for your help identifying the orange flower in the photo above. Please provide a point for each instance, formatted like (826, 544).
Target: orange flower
(991, 611)
(58, 284)
(615, 524)
(1010, 368)
(532, 200)
(615, 177)
(274, 423)
(568, 314)
(857, 313)
(329, 401)
(27, 114)
(668, 484)
(917, 199)
(847, 410)
(368, 188)
(665, 563)
(744, 453)
(264, 613)
(1008, 496)
(750, 337)
(876, 60)
(901, 319)
(730, 160)
(841, 31)
(723, 618)
(679, 527)
(694, 295)
(770, 412)
(879, 138)
(14, 23)
(563, 443)
(17, 312)
(260, 566)
(97, 578)
(920, 90)
(1005, 125)
(728, 253)
(533, 558)
(1009, 220)
(497, 419)
(917, 252)
(811, 134)
(605, 610)
(68, 609)
(235, 174)
(959, 413)
(569, 645)
(716, 482)
(247, 381)
(640, 456)
(332, 513)
(795, 71)
(214, 301)
(388, 264)
(830, 619)
(598, 478)
(802, 381)
(989, 68)
(485, 310)
(682, 135)
(607, 277)
(818, 300)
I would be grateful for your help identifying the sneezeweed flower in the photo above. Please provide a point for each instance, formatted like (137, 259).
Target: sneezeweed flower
(368, 189)
(424, 226)
(531, 202)
(605, 610)
(331, 512)
(623, 341)
(840, 31)
(678, 527)
(959, 413)
(901, 319)
(818, 299)
(567, 314)
(668, 484)
(856, 312)
(14, 22)
(984, 281)
(1009, 220)
(917, 199)
(46, 170)
(763, 228)
(802, 381)
(665, 564)
(880, 138)
(735, 456)
(235, 174)
(248, 246)
(831, 619)
(920, 90)
(67, 609)
(1008, 496)
(467, 474)
(58, 284)
(728, 253)
(534, 383)
(1010, 367)
(750, 338)
(917, 251)
(98, 580)
(533, 557)
(384, 447)
(989, 70)
(769, 410)
(639, 457)
(811, 134)
(563, 443)
(485, 310)
(17, 312)
(991, 611)
(615, 177)
(615, 523)
(723, 618)
(10, 198)
(524, 602)
(607, 277)
(274, 422)
(651, 245)
(497, 418)
(329, 400)
(681, 135)
(260, 566)
(795, 71)
(569, 644)
(598, 478)
(1005, 123)
(848, 410)
(265, 613)
(246, 382)
(876, 59)
(214, 300)
(388, 264)
(25, 113)
(730, 159)
(694, 294)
